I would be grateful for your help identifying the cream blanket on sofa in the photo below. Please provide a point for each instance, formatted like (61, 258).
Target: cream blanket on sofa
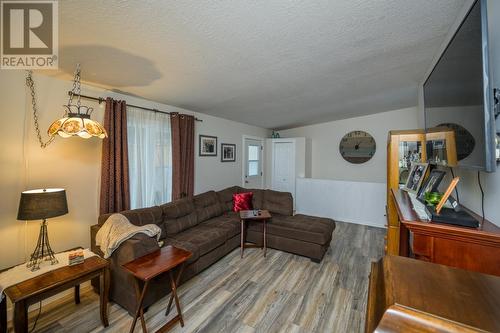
(118, 229)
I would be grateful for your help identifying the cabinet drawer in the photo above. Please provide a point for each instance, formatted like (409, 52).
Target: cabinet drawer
(422, 247)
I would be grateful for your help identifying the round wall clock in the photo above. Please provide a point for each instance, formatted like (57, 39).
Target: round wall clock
(357, 147)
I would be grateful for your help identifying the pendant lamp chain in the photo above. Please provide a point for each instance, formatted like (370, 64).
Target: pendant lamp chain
(77, 88)
(76, 120)
(31, 85)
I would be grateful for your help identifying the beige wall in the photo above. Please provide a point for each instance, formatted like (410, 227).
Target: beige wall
(326, 161)
(74, 163)
(210, 172)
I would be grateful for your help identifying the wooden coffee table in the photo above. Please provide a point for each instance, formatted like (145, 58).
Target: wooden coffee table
(258, 216)
(48, 284)
(150, 266)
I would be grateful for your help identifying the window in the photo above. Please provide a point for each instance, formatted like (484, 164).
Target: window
(253, 160)
(150, 158)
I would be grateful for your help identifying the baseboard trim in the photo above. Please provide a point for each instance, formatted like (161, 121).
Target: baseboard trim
(369, 224)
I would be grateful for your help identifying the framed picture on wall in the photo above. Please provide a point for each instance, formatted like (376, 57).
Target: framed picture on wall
(227, 152)
(207, 145)
(418, 172)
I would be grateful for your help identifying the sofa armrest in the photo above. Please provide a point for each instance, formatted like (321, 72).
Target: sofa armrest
(133, 248)
(93, 247)
(122, 282)
(278, 202)
(137, 246)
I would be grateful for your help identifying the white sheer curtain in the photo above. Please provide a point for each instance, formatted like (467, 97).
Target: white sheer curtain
(150, 157)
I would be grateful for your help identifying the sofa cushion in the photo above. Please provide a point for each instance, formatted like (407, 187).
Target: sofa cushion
(179, 215)
(235, 216)
(258, 197)
(203, 237)
(225, 222)
(327, 223)
(311, 250)
(278, 202)
(140, 217)
(305, 228)
(207, 205)
(226, 197)
(193, 248)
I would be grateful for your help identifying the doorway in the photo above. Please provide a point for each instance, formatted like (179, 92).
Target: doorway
(283, 166)
(253, 175)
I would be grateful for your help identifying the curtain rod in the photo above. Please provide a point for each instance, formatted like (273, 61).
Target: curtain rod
(100, 100)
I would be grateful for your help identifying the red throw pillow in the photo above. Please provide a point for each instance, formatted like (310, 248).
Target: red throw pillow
(242, 201)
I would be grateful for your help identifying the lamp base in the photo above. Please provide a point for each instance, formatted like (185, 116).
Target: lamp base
(43, 251)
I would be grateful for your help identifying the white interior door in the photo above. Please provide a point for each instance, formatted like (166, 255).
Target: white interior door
(253, 163)
(284, 167)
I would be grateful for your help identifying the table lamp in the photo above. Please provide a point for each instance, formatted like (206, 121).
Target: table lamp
(40, 205)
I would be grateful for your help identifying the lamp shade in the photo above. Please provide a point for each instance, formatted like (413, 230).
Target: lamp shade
(76, 124)
(42, 204)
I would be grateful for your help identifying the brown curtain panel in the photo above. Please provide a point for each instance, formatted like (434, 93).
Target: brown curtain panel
(182, 155)
(115, 190)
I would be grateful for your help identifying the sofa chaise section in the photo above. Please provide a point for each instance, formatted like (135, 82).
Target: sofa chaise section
(300, 234)
(304, 235)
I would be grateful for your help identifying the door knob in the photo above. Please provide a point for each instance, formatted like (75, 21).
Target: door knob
(246, 181)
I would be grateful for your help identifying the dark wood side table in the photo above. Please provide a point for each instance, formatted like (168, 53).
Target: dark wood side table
(253, 215)
(48, 284)
(150, 266)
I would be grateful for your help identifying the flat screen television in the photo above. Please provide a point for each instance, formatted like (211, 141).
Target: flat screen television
(457, 93)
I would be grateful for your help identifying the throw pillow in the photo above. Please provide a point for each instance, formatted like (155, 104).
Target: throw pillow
(242, 201)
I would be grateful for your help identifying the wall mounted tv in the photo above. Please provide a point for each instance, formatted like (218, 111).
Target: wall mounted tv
(458, 94)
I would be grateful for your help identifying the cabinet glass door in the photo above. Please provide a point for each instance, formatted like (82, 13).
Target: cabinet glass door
(409, 152)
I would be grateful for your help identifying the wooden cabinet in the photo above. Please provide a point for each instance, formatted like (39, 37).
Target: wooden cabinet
(403, 148)
(407, 295)
(407, 147)
(475, 249)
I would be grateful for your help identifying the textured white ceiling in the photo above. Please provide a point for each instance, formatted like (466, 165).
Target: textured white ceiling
(275, 64)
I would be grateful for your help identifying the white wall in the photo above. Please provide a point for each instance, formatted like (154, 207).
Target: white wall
(349, 192)
(470, 195)
(326, 161)
(349, 201)
(74, 163)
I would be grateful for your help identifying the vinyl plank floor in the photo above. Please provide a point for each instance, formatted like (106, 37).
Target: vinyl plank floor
(280, 293)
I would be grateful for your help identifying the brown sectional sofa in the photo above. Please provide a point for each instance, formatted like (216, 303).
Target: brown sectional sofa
(207, 226)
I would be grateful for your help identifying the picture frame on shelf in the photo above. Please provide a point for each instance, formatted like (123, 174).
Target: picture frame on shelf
(431, 183)
(207, 145)
(227, 152)
(418, 172)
